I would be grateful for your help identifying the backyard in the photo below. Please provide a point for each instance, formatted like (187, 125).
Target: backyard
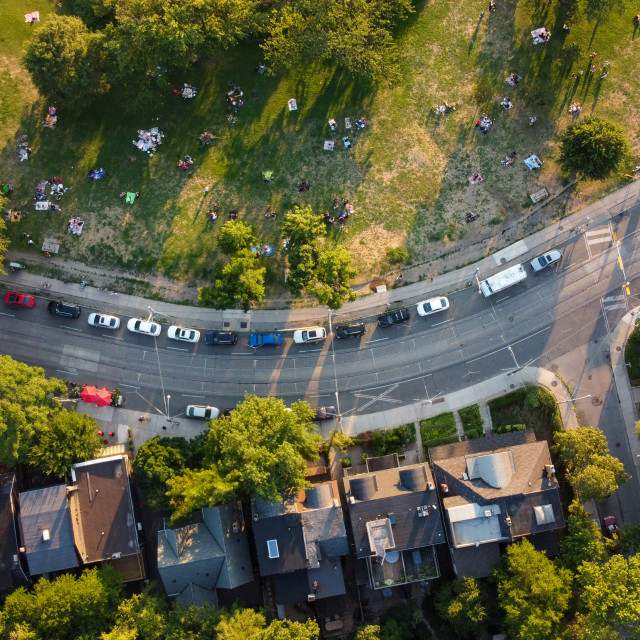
(406, 175)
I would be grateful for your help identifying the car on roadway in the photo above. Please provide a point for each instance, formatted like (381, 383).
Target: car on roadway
(202, 412)
(265, 340)
(312, 334)
(551, 257)
(610, 526)
(182, 333)
(221, 337)
(145, 327)
(433, 305)
(66, 309)
(103, 321)
(325, 413)
(393, 317)
(19, 299)
(350, 331)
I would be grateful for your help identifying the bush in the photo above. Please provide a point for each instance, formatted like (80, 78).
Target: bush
(632, 356)
(364, 457)
(388, 441)
(508, 428)
(439, 426)
(516, 396)
(472, 434)
(438, 441)
(396, 256)
(346, 462)
(471, 419)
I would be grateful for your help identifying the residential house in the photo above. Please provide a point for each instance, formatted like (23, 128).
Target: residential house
(103, 516)
(496, 490)
(45, 530)
(300, 543)
(210, 553)
(11, 574)
(396, 521)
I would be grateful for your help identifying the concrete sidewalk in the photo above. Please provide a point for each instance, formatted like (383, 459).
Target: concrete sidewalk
(288, 319)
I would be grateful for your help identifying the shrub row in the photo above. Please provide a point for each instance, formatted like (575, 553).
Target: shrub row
(439, 426)
(438, 441)
(632, 356)
(471, 419)
(508, 428)
(387, 441)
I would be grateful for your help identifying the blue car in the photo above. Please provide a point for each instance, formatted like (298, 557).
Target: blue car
(265, 340)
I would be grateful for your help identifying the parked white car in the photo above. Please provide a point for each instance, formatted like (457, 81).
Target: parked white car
(103, 321)
(433, 305)
(181, 333)
(551, 257)
(201, 412)
(145, 327)
(312, 334)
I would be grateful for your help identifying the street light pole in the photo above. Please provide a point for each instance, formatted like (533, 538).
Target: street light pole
(513, 356)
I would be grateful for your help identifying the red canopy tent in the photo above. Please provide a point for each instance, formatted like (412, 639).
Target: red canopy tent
(102, 397)
(89, 394)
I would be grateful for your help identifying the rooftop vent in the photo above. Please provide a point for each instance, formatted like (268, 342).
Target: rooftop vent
(45, 535)
(311, 597)
(444, 488)
(488, 513)
(431, 486)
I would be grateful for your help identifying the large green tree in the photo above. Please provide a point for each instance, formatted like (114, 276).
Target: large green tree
(583, 540)
(66, 60)
(66, 438)
(155, 464)
(241, 282)
(591, 470)
(66, 608)
(593, 147)
(247, 624)
(463, 604)
(302, 227)
(143, 615)
(236, 235)
(355, 35)
(27, 403)
(332, 282)
(533, 593)
(610, 596)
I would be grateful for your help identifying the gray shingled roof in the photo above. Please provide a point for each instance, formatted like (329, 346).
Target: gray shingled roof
(44, 513)
(385, 493)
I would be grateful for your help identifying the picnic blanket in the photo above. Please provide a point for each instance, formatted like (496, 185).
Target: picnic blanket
(75, 226)
(131, 197)
(293, 105)
(533, 162)
(188, 91)
(329, 145)
(34, 16)
(44, 205)
(148, 139)
(513, 79)
(537, 35)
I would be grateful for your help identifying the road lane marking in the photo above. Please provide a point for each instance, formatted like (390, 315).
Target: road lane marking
(177, 348)
(110, 335)
(378, 398)
(9, 315)
(377, 340)
(184, 395)
(71, 328)
(443, 322)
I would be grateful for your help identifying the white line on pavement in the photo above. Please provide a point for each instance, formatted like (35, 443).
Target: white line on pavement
(377, 340)
(9, 315)
(443, 322)
(184, 395)
(177, 348)
(72, 328)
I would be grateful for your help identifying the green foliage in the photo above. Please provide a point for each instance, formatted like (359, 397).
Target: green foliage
(368, 632)
(65, 439)
(436, 442)
(439, 426)
(143, 615)
(533, 593)
(355, 36)
(386, 441)
(345, 462)
(155, 464)
(247, 624)
(331, 284)
(66, 60)
(259, 450)
(637, 428)
(583, 540)
(26, 408)
(302, 227)
(593, 147)
(591, 470)
(394, 257)
(339, 440)
(632, 356)
(463, 604)
(508, 428)
(4, 241)
(471, 419)
(610, 596)
(236, 235)
(240, 284)
(629, 539)
(65, 608)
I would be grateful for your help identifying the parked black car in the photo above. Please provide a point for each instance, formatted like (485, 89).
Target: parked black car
(221, 337)
(325, 413)
(393, 317)
(350, 331)
(61, 308)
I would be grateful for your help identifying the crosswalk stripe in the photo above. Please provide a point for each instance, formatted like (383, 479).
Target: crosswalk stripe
(597, 232)
(613, 298)
(620, 305)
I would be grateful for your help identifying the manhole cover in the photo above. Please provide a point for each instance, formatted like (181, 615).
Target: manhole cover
(512, 386)
(560, 228)
(596, 402)
(554, 383)
(553, 367)
(618, 348)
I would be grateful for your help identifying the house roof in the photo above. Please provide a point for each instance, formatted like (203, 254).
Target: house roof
(497, 488)
(195, 595)
(300, 531)
(8, 541)
(397, 495)
(46, 531)
(325, 581)
(102, 509)
(468, 562)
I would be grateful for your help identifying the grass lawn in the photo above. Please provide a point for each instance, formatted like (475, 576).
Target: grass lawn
(406, 175)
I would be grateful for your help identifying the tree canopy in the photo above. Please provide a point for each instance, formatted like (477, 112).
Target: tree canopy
(583, 540)
(592, 471)
(593, 147)
(463, 604)
(533, 593)
(259, 450)
(236, 235)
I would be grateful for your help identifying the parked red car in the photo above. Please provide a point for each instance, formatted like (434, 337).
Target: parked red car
(19, 299)
(610, 526)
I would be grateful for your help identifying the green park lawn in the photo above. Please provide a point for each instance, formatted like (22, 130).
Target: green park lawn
(406, 175)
